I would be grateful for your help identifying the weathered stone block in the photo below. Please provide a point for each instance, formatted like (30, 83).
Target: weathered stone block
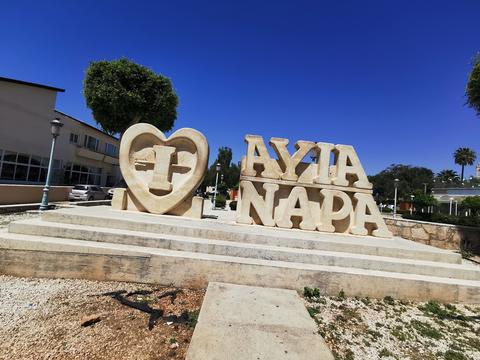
(419, 233)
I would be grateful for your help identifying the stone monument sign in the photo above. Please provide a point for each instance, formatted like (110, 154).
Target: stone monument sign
(330, 194)
(162, 174)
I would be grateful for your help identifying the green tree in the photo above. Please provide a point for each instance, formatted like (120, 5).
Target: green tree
(410, 178)
(447, 176)
(229, 170)
(422, 200)
(473, 204)
(473, 86)
(464, 156)
(121, 93)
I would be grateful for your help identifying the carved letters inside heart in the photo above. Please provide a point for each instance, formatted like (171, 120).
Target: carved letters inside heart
(161, 173)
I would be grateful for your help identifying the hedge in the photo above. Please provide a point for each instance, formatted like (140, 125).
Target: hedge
(445, 219)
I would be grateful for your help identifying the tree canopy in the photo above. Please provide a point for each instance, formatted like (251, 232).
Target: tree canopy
(229, 170)
(422, 200)
(473, 86)
(411, 179)
(473, 204)
(447, 176)
(121, 93)
(464, 156)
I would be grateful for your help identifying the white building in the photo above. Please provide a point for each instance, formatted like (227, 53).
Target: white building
(83, 153)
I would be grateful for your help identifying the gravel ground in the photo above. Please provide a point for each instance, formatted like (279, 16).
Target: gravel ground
(5, 219)
(361, 328)
(42, 319)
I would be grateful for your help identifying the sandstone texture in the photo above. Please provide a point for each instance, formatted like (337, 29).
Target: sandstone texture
(444, 236)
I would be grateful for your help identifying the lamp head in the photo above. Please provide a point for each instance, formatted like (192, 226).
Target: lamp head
(55, 127)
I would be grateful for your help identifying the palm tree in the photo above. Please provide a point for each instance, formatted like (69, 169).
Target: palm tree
(464, 156)
(447, 176)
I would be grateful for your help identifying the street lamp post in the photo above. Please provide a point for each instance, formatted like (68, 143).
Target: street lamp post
(216, 186)
(411, 203)
(395, 182)
(55, 130)
(425, 188)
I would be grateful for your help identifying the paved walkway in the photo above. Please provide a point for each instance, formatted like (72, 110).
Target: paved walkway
(239, 322)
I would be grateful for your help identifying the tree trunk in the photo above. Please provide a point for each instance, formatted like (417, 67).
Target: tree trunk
(463, 167)
(135, 120)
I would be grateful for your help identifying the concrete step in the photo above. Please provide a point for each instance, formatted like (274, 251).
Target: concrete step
(41, 256)
(246, 250)
(105, 217)
(267, 324)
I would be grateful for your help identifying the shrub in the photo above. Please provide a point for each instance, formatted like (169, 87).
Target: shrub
(220, 201)
(445, 219)
(312, 311)
(473, 204)
(311, 292)
(192, 318)
(425, 329)
(454, 355)
(388, 300)
(422, 200)
(233, 205)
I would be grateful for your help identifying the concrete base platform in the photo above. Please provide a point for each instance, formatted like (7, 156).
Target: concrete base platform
(244, 323)
(103, 244)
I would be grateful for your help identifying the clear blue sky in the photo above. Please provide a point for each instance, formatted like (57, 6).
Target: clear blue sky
(385, 76)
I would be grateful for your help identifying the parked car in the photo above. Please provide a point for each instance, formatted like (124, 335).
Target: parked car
(110, 193)
(87, 192)
(120, 184)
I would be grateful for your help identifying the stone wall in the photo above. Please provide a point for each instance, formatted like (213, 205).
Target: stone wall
(444, 236)
(27, 194)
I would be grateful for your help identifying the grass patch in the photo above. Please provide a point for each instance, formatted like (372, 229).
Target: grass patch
(341, 296)
(426, 330)
(445, 312)
(399, 334)
(193, 318)
(454, 355)
(385, 353)
(312, 311)
(474, 343)
(365, 300)
(374, 334)
(349, 355)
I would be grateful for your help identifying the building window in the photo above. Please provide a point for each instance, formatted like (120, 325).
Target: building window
(74, 138)
(84, 175)
(26, 168)
(111, 149)
(91, 143)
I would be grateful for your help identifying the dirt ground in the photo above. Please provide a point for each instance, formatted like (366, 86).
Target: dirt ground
(42, 319)
(363, 328)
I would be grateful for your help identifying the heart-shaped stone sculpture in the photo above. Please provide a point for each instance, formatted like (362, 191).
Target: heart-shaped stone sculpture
(162, 172)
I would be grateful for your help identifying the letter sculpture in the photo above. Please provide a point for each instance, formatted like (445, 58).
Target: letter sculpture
(324, 195)
(161, 173)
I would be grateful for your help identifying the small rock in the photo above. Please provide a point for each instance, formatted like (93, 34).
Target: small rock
(174, 346)
(90, 320)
